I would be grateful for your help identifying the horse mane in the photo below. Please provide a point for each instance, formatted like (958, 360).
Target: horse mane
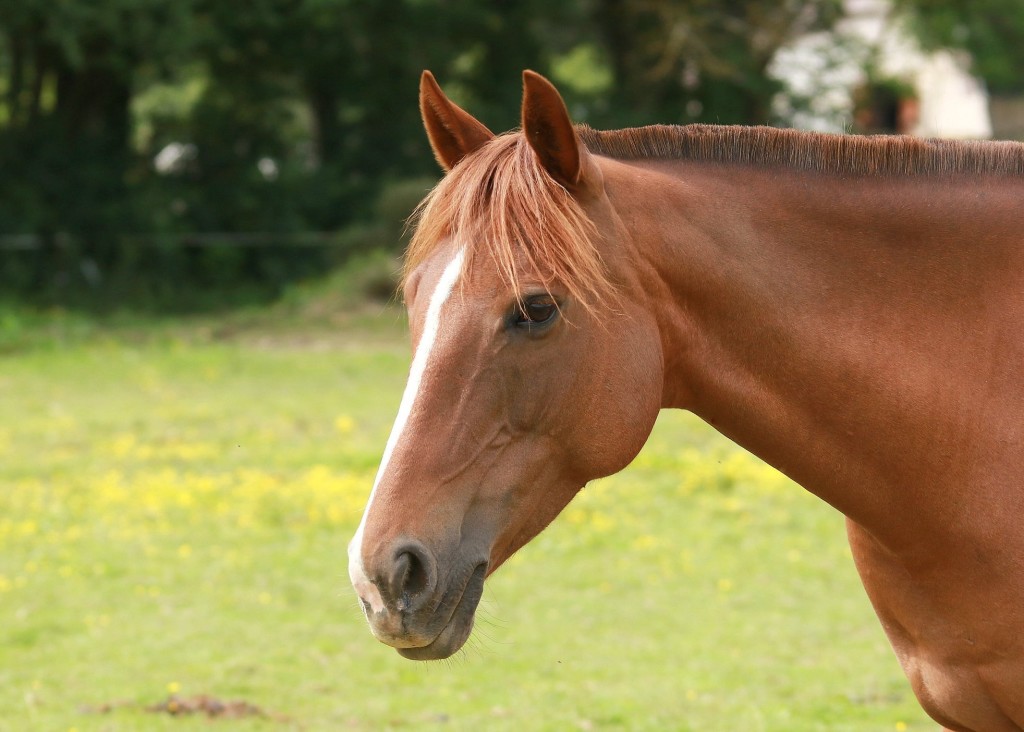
(505, 207)
(770, 147)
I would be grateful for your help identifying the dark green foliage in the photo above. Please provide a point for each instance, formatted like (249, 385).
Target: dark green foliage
(299, 116)
(701, 60)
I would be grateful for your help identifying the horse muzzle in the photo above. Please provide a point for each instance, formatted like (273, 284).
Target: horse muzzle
(408, 604)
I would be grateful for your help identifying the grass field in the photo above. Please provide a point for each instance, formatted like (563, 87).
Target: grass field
(175, 501)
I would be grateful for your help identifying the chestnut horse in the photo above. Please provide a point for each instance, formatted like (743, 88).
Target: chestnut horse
(849, 309)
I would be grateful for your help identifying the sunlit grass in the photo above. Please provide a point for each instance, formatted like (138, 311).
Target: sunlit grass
(173, 519)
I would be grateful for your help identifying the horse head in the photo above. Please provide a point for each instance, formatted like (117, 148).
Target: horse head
(537, 366)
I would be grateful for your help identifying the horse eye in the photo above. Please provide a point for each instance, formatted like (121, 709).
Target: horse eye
(536, 311)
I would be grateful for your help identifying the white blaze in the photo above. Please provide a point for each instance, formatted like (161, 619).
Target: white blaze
(356, 572)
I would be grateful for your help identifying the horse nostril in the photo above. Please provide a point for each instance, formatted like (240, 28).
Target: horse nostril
(411, 575)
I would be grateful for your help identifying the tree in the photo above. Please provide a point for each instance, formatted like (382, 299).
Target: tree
(701, 60)
(68, 70)
(300, 115)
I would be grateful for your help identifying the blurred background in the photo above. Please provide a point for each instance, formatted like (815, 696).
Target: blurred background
(184, 154)
(202, 352)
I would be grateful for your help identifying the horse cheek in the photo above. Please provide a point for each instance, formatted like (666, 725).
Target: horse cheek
(618, 420)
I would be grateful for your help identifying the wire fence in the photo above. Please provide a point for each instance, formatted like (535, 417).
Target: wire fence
(30, 242)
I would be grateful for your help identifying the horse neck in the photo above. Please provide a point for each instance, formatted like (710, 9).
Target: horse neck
(833, 327)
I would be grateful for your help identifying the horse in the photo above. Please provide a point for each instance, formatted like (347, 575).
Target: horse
(848, 309)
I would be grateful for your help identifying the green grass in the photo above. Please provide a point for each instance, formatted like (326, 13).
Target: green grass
(175, 501)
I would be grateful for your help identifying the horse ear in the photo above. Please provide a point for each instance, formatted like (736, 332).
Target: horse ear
(453, 132)
(550, 132)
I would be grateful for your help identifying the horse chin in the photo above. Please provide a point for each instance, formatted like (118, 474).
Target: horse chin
(451, 639)
(455, 634)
